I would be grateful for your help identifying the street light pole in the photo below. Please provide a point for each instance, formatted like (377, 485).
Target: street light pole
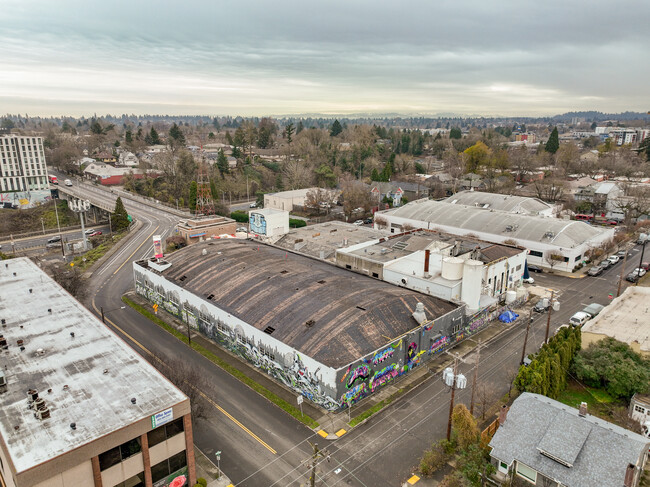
(478, 356)
(523, 350)
(101, 309)
(641, 261)
(550, 310)
(453, 393)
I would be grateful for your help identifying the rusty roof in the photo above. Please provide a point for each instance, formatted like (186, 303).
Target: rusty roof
(352, 314)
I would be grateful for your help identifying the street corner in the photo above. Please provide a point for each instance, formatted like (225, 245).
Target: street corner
(331, 436)
(412, 481)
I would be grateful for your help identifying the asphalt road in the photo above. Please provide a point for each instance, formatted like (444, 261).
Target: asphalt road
(41, 240)
(263, 446)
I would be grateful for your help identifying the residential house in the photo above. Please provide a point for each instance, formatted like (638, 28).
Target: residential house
(105, 157)
(548, 443)
(127, 159)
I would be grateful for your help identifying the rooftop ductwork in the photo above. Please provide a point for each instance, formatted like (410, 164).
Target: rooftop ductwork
(418, 314)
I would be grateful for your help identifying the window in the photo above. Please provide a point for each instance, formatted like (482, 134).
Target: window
(135, 481)
(374, 274)
(165, 431)
(119, 453)
(348, 266)
(639, 409)
(168, 466)
(535, 253)
(518, 268)
(526, 472)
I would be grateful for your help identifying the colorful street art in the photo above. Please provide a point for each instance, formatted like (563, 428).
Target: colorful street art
(438, 345)
(382, 355)
(354, 395)
(384, 376)
(290, 371)
(360, 372)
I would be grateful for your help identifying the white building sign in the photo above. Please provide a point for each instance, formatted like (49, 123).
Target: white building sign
(162, 417)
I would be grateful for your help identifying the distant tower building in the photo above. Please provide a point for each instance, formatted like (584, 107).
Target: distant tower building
(204, 201)
(22, 165)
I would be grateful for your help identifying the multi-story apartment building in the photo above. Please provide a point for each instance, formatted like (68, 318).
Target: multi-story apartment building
(22, 164)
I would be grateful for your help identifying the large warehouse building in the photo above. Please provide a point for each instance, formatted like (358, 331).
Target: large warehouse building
(78, 406)
(561, 244)
(330, 334)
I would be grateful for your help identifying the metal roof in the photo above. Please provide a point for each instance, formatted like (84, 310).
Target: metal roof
(353, 315)
(552, 231)
(499, 202)
(83, 371)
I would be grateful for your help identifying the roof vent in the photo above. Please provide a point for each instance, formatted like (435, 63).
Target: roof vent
(73, 426)
(32, 395)
(269, 330)
(31, 291)
(49, 310)
(210, 296)
(16, 427)
(40, 351)
(72, 334)
(19, 342)
(418, 314)
(105, 371)
(3, 321)
(361, 308)
(65, 387)
(182, 278)
(3, 343)
(310, 323)
(14, 274)
(133, 400)
(583, 409)
(284, 272)
(321, 282)
(204, 252)
(22, 349)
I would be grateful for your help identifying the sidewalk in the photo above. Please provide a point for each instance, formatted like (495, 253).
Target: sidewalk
(209, 471)
(335, 424)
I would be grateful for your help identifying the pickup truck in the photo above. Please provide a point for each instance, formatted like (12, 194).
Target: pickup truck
(587, 313)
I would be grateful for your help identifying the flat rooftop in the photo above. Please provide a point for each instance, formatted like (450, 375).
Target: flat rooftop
(627, 318)
(321, 241)
(396, 246)
(353, 315)
(92, 375)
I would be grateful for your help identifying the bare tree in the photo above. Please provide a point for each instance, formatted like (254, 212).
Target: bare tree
(485, 399)
(549, 189)
(188, 379)
(552, 258)
(318, 199)
(297, 174)
(355, 195)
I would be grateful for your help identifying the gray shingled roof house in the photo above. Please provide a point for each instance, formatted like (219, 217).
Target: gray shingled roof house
(549, 443)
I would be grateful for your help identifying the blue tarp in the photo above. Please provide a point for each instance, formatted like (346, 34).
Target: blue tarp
(508, 317)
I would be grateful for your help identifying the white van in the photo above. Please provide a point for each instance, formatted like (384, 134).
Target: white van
(580, 318)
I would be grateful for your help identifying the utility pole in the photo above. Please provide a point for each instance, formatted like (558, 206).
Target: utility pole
(620, 278)
(640, 262)
(478, 356)
(318, 453)
(58, 226)
(523, 350)
(189, 338)
(550, 311)
(451, 402)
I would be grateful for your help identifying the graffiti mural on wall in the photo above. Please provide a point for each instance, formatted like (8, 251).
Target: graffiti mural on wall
(383, 355)
(438, 345)
(360, 372)
(354, 395)
(290, 370)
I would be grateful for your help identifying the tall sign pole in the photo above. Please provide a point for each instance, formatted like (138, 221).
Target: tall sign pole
(550, 311)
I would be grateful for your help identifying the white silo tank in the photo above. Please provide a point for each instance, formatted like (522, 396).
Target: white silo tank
(452, 268)
(471, 289)
(511, 296)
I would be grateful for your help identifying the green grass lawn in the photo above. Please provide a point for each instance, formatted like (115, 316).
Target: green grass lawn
(575, 393)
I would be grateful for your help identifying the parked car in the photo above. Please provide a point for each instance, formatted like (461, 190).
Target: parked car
(95, 234)
(253, 205)
(55, 239)
(89, 231)
(642, 238)
(528, 280)
(646, 266)
(542, 305)
(358, 223)
(579, 318)
(534, 268)
(640, 271)
(368, 221)
(242, 229)
(613, 259)
(621, 253)
(67, 182)
(605, 264)
(632, 277)
(595, 271)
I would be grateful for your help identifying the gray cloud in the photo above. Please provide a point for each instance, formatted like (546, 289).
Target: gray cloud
(256, 57)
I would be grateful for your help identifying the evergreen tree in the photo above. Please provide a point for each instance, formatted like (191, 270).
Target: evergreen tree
(374, 175)
(155, 138)
(387, 172)
(455, 133)
(222, 163)
(119, 218)
(336, 128)
(176, 136)
(128, 136)
(553, 142)
(192, 196)
(300, 127)
(96, 128)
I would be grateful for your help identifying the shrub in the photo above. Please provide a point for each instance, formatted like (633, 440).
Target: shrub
(297, 223)
(434, 459)
(202, 482)
(240, 216)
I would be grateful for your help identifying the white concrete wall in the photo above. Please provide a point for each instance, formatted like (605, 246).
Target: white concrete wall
(78, 476)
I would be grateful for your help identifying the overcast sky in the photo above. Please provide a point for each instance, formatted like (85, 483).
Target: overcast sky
(243, 57)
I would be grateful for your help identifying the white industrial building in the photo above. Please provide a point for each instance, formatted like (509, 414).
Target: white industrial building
(78, 406)
(23, 170)
(468, 271)
(568, 241)
(523, 205)
(268, 222)
(286, 200)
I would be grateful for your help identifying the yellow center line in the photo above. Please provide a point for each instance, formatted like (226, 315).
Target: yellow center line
(129, 257)
(219, 408)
